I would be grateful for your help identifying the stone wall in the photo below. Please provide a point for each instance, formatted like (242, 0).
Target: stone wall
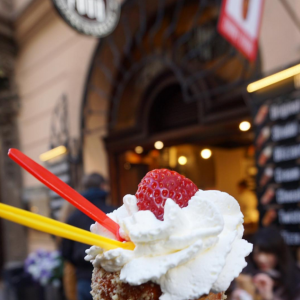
(13, 235)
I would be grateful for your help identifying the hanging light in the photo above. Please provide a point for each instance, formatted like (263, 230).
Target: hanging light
(262, 83)
(53, 153)
(206, 153)
(158, 145)
(245, 126)
(182, 160)
(139, 149)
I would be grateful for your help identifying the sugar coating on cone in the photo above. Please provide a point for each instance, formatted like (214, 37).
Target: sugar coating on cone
(108, 286)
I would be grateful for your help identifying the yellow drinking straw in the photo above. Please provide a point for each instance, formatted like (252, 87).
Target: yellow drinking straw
(48, 225)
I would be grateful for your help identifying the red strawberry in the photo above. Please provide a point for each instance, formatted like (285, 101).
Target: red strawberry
(159, 185)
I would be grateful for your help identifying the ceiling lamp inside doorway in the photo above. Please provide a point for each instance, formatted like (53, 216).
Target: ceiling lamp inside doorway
(245, 126)
(206, 153)
(158, 145)
(139, 149)
(182, 160)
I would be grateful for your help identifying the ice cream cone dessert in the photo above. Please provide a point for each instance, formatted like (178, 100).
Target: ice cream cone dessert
(188, 243)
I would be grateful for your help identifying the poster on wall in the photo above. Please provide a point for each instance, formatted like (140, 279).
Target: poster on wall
(240, 22)
(277, 142)
(91, 17)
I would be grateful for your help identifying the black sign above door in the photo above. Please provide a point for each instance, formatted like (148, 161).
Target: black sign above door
(91, 17)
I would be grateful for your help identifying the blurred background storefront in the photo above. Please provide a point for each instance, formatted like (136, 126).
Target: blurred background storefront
(163, 87)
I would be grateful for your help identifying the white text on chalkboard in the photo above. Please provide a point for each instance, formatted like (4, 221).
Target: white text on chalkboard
(287, 175)
(289, 217)
(282, 132)
(284, 110)
(287, 196)
(284, 153)
(291, 238)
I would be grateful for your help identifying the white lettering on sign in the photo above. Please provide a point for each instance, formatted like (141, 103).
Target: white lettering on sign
(91, 17)
(59, 168)
(247, 45)
(281, 132)
(94, 9)
(287, 196)
(100, 11)
(287, 175)
(284, 110)
(284, 153)
(289, 217)
(231, 29)
(291, 238)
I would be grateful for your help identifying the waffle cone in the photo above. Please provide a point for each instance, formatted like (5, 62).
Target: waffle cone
(108, 286)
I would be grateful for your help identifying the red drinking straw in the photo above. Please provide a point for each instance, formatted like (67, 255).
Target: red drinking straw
(64, 190)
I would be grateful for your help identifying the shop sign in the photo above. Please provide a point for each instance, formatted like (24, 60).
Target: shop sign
(240, 22)
(62, 170)
(91, 17)
(277, 130)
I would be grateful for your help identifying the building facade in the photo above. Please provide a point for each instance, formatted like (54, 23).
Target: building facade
(116, 93)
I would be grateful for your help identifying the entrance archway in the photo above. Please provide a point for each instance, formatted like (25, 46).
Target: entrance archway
(165, 74)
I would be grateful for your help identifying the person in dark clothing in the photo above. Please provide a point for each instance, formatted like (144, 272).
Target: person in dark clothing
(74, 252)
(272, 268)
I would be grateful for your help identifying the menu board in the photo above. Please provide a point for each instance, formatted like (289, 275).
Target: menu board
(61, 169)
(277, 142)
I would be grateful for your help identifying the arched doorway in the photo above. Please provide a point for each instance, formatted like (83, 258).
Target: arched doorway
(165, 74)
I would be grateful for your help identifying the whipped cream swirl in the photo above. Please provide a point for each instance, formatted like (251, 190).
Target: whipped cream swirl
(196, 250)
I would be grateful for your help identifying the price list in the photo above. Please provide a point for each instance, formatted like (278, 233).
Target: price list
(277, 143)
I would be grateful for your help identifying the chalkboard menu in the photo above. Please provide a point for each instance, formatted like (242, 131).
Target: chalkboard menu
(277, 142)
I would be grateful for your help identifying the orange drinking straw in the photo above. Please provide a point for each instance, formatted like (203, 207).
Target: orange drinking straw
(64, 190)
(48, 225)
